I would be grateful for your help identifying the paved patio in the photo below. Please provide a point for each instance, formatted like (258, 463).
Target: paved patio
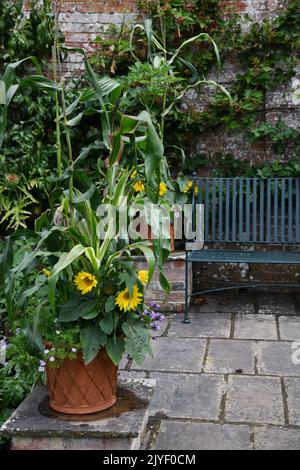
(227, 380)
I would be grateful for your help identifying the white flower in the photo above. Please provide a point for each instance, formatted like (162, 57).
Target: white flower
(57, 332)
(46, 351)
(41, 369)
(74, 350)
(52, 359)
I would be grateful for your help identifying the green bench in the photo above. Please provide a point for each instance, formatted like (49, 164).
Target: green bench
(241, 213)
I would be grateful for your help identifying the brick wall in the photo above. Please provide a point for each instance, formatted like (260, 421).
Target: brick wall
(81, 21)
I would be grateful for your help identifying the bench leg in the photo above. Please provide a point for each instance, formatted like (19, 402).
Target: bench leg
(186, 312)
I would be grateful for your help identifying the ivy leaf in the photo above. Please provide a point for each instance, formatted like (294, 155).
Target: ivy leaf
(91, 338)
(115, 348)
(137, 340)
(77, 307)
(107, 324)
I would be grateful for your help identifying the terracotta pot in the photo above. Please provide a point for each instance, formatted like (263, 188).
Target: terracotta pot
(76, 388)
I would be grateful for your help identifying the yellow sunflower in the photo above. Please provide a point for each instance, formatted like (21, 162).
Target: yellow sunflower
(85, 282)
(139, 186)
(133, 174)
(125, 302)
(188, 186)
(143, 277)
(46, 272)
(162, 189)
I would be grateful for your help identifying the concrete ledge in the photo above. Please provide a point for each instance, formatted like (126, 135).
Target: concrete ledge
(121, 427)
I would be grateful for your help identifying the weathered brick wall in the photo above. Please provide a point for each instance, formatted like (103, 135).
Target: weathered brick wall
(81, 22)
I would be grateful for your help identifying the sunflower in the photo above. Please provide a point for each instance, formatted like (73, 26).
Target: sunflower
(139, 186)
(85, 282)
(46, 272)
(143, 277)
(188, 186)
(162, 189)
(125, 302)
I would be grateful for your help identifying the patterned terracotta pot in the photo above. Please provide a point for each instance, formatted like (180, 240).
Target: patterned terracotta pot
(76, 388)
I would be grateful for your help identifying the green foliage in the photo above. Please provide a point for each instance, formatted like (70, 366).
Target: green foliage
(17, 377)
(21, 36)
(266, 55)
(27, 117)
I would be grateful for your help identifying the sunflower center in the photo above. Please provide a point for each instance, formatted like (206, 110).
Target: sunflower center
(126, 296)
(88, 281)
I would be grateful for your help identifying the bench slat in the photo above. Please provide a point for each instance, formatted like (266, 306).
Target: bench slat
(235, 256)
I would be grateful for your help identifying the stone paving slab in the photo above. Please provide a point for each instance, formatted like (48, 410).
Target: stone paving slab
(174, 435)
(254, 400)
(292, 386)
(255, 327)
(289, 328)
(171, 354)
(203, 326)
(228, 356)
(276, 438)
(276, 304)
(187, 396)
(276, 358)
(225, 304)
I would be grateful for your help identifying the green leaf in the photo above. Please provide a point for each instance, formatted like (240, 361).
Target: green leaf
(10, 93)
(39, 82)
(77, 307)
(154, 152)
(91, 338)
(110, 304)
(2, 93)
(91, 315)
(107, 324)
(27, 293)
(115, 348)
(137, 340)
(68, 258)
(6, 259)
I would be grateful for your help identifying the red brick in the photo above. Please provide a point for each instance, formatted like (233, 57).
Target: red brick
(233, 5)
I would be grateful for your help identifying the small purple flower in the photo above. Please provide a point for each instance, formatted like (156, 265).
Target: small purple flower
(155, 326)
(42, 363)
(154, 316)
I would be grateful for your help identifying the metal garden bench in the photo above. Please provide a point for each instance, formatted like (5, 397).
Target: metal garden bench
(246, 212)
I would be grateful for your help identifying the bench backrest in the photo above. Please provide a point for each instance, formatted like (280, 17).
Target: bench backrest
(249, 210)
